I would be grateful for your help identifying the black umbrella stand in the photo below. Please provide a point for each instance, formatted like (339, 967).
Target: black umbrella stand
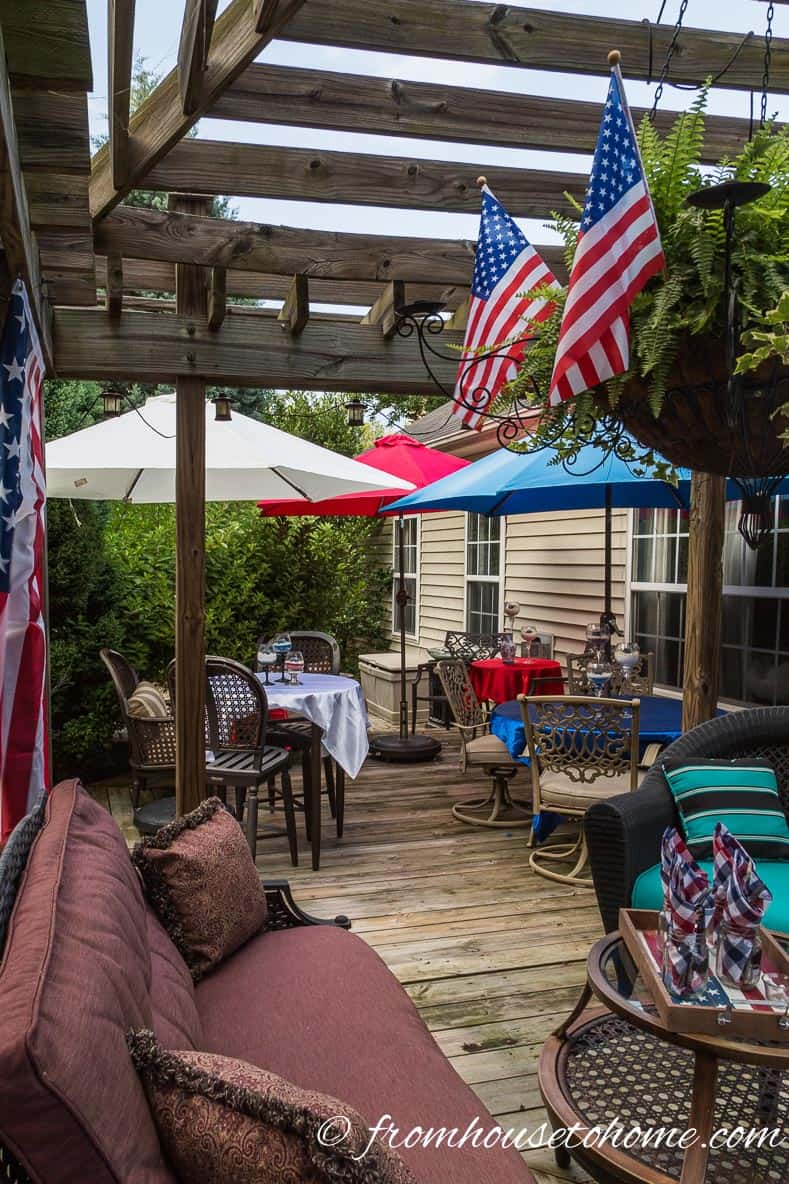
(403, 748)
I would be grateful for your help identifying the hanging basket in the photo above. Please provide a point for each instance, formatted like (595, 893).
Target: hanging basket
(696, 428)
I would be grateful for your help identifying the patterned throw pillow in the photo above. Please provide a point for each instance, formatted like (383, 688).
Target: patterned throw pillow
(229, 1122)
(741, 793)
(202, 882)
(147, 702)
(13, 861)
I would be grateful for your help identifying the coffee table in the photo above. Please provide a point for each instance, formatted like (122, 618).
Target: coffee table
(617, 1060)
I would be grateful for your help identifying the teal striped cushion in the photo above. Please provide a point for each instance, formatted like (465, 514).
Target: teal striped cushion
(743, 794)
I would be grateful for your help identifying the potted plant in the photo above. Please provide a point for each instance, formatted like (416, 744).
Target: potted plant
(674, 398)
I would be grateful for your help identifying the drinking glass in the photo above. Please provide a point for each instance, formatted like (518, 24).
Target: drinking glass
(529, 634)
(266, 658)
(599, 675)
(597, 639)
(294, 666)
(282, 645)
(627, 656)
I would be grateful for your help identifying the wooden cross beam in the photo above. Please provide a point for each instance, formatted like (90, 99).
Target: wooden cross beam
(295, 312)
(217, 297)
(436, 111)
(240, 33)
(386, 308)
(120, 30)
(113, 286)
(198, 24)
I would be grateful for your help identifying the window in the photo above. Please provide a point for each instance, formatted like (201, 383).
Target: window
(483, 573)
(755, 632)
(411, 569)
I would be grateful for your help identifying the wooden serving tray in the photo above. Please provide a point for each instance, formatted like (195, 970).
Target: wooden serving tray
(724, 1011)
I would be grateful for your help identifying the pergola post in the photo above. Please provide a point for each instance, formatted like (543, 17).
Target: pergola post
(704, 605)
(191, 298)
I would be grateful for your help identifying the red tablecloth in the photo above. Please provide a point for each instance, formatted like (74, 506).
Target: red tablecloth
(500, 681)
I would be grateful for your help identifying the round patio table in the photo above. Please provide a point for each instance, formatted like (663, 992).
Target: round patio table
(498, 681)
(660, 723)
(621, 1064)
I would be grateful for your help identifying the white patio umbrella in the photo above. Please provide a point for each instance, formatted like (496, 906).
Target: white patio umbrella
(132, 458)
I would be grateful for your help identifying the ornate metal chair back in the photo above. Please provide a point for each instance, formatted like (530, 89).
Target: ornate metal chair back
(321, 651)
(461, 696)
(236, 705)
(581, 736)
(471, 647)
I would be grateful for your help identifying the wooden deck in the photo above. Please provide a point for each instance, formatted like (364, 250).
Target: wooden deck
(491, 954)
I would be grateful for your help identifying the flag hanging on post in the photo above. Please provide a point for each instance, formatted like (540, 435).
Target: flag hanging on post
(23, 744)
(507, 270)
(618, 250)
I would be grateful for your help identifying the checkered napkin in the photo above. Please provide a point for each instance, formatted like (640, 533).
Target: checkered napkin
(687, 889)
(726, 851)
(747, 897)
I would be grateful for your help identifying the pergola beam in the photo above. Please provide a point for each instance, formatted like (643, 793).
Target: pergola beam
(295, 311)
(120, 31)
(160, 121)
(540, 39)
(198, 24)
(385, 311)
(159, 347)
(16, 237)
(383, 106)
(302, 174)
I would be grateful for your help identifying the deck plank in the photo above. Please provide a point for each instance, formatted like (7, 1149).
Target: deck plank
(491, 954)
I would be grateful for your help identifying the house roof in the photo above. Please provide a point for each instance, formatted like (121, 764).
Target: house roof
(441, 429)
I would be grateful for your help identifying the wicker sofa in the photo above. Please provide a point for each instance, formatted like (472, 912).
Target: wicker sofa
(84, 960)
(623, 833)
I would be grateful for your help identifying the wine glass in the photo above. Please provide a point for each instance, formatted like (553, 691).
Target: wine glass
(294, 666)
(599, 675)
(282, 645)
(597, 639)
(266, 658)
(529, 634)
(627, 656)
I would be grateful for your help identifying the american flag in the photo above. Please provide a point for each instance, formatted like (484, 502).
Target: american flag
(23, 747)
(618, 250)
(506, 269)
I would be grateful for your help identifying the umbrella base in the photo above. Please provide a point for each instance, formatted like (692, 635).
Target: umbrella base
(404, 750)
(154, 815)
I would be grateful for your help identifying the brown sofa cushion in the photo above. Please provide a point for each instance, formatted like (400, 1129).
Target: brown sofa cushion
(175, 1019)
(74, 977)
(321, 1009)
(229, 1122)
(201, 881)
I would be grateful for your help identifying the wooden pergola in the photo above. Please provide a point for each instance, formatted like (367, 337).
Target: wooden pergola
(91, 262)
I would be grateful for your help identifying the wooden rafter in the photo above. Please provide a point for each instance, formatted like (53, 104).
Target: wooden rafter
(205, 166)
(384, 312)
(47, 43)
(537, 38)
(158, 347)
(120, 34)
(16, 237)
(113, 286)
(217, 297)
(198, 24)
(316, 98)
(295, 311)
(160, 121)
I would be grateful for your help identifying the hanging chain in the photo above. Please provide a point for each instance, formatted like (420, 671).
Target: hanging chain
(768, 38)
(669, 55)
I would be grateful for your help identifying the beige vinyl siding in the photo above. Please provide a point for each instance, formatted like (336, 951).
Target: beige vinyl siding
(442, 565)
(554, 568)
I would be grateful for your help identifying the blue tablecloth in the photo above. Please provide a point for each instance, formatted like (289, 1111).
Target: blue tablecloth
(660, 723)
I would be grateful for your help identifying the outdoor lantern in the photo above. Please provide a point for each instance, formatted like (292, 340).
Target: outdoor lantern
(355, 409)
(112, 398)
(222, 405)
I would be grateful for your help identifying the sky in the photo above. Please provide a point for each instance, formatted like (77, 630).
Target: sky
(157, 29)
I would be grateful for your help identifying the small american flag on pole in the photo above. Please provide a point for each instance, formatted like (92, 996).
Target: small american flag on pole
(618, 250)
(23, 746)
(506, 270)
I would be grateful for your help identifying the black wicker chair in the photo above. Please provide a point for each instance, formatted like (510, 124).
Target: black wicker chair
(151, 741)
(623, 833)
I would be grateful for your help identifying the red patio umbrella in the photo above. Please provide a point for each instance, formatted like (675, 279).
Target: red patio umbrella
(399, 456)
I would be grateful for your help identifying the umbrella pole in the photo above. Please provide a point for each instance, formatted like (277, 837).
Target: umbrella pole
(403, 748)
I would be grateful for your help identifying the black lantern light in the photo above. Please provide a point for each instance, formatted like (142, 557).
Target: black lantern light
(112, 399)
(355, 410)
(222, 406)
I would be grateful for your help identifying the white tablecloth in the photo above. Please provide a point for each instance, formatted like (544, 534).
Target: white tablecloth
(336, 705)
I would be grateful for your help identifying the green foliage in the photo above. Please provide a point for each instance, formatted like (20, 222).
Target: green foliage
(688, 300)
(112, 575)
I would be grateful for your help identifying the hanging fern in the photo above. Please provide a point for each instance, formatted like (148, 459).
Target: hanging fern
(688, 301)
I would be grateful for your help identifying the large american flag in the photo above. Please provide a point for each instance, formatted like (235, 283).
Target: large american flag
(618, 250)
(506, 269)
(23, 745)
